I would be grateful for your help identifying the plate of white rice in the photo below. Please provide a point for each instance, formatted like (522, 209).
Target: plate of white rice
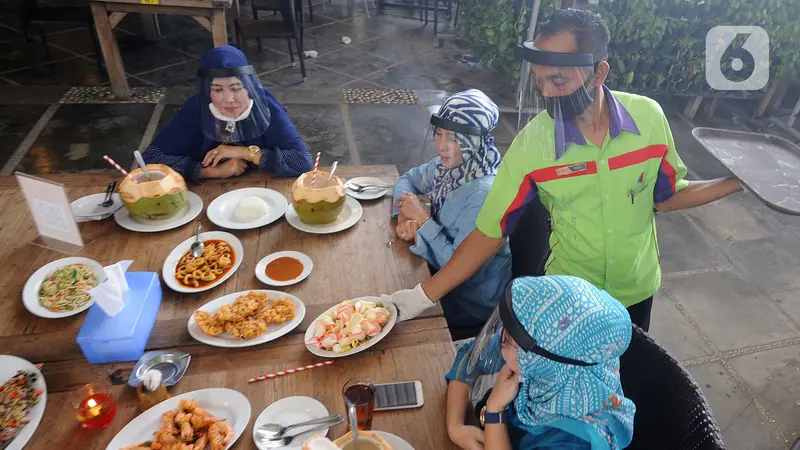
(247, 208)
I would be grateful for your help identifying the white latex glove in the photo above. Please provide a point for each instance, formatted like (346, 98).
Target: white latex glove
(409, 302)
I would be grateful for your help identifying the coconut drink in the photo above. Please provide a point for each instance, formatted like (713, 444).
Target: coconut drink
(321, 203)
(159, 197)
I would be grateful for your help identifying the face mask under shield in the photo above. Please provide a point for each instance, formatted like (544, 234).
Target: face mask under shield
(233, 107)
(557, 90)
(451, 141)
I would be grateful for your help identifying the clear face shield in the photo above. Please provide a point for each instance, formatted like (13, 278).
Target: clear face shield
(452, 142)
(557, 91)
(233, 108)
(502, 332)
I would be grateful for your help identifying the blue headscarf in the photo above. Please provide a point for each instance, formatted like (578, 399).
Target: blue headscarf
(479, 155)
(570, 317)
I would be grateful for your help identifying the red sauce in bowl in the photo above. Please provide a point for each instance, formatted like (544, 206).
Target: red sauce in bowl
(284, 269)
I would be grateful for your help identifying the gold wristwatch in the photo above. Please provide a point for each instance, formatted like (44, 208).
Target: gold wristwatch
(254, 154)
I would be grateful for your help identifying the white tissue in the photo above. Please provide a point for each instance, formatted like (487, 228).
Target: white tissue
(310, 54)
(151, 380)
(346, 40)
(112, 295)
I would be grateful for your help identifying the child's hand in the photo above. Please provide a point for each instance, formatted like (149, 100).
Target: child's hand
(466, 437)
(505, 390)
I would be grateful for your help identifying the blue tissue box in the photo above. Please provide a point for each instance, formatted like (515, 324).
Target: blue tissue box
(123, 337)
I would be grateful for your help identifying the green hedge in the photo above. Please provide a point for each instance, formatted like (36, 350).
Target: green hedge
(657, 46)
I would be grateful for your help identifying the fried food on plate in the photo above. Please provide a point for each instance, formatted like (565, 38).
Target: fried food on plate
(247, 317)
(246, 329)
(209, 323)
(188, 427)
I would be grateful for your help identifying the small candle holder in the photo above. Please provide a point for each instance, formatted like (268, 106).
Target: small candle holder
(94, 405)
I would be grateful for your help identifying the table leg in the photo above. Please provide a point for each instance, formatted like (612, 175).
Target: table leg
(110, 49)
(219, 32)
(150, 27)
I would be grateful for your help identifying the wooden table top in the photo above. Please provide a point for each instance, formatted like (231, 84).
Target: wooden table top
(363, 260)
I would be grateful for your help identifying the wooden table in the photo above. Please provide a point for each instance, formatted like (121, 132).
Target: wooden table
(349, 264)
(108, 13)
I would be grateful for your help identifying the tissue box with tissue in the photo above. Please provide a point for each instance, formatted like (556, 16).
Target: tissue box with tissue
(123, 336)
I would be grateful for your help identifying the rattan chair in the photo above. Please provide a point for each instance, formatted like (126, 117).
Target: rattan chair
(671, 411)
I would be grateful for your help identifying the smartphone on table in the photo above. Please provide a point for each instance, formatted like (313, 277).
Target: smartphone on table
(402, 395)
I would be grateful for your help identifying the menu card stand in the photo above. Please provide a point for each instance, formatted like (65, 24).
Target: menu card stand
(50, 208)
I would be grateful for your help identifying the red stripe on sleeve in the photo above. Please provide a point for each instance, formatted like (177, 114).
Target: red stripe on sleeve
(519, 201)
(667, 168)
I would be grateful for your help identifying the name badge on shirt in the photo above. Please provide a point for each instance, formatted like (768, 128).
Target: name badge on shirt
(568, 170)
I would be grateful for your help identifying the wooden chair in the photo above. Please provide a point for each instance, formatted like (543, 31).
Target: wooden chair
(290, 28)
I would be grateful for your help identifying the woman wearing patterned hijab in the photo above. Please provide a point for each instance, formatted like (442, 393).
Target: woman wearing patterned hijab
(554, 345)
(457, 181)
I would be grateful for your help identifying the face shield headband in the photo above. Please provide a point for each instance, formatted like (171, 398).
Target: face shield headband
(517, 332)
(440, 122)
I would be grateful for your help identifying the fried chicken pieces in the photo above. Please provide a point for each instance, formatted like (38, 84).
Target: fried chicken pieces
(188, 428)
(247, 317)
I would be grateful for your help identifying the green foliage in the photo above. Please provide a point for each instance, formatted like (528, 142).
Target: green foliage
(657, 46)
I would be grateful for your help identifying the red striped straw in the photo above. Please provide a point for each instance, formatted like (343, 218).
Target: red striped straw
(288, 371)
(316, 165)
(124, 172)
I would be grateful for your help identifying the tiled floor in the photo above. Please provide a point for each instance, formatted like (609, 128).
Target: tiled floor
(729, 308)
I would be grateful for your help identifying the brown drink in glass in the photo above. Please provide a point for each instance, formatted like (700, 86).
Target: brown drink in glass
(360, 392)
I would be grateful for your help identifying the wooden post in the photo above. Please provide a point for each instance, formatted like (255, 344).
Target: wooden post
(765, 102)
(711, 108)
(110, 49)
(115, 18)
(218, 31)
(692, 107)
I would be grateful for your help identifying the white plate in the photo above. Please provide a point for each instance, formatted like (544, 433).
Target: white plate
(124, 219)
(274, 331)
(261, 268)
(364, 345)
(350, 215)
(221, 210)
(30, 293)
(9, 365)
(395, 441)
(86, 207)
(171, 263)
(224, 403)
(289, 410)
(370, 194)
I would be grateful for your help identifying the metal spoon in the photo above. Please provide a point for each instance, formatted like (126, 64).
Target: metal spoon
(275, 430)
(359, 188)
(351, 412)
(284, 441)
(197, 247)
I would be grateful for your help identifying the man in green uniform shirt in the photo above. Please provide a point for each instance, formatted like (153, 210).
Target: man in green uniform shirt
(600, 161)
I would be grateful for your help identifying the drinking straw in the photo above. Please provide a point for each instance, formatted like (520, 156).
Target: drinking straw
(288, 371)
(316, 165)
(124, 172)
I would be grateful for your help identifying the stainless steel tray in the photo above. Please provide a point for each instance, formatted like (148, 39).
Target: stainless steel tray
(171, 364)
(769, 166)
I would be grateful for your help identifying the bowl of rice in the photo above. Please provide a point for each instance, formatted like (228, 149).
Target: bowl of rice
(61, 288)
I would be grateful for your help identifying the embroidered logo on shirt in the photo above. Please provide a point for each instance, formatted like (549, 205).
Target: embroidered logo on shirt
(575, 168)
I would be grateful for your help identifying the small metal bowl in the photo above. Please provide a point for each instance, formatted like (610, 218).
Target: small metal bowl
(172, 366)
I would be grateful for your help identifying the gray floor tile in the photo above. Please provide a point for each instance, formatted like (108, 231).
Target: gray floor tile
(769, 263)
(316, 77)
(149, 57)
(15, 55)
(674, 332)
(78, 136)
(352, 61)
(726, 399)
(388, 134)
(77, 41)
(716, 219)
(72, 72)
(337, 30)
(730, 310)
(775, 378)
(322, 130)
(16, 122)
(683, 247)
(749, 432)
(184, 74)
(789, 301)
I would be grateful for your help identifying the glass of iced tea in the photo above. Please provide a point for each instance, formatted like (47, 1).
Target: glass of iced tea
(360, 393)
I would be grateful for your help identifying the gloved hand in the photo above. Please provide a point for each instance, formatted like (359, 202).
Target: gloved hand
(409, 302)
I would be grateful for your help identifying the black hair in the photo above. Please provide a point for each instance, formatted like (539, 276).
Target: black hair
(590, 32)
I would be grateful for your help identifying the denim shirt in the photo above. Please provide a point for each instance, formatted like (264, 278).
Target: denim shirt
(472, 302)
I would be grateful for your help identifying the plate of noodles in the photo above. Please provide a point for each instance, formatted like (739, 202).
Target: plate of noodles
(23, 396)
(246, 318)
(61, 288)
(222, 256)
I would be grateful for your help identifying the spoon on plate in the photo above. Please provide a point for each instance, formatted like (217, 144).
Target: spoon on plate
(284, 441)
(197, 247)
(276, 430)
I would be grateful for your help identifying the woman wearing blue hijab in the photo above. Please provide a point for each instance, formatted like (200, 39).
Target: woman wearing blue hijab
(457, 180)
(553, 347)
(232, 123)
